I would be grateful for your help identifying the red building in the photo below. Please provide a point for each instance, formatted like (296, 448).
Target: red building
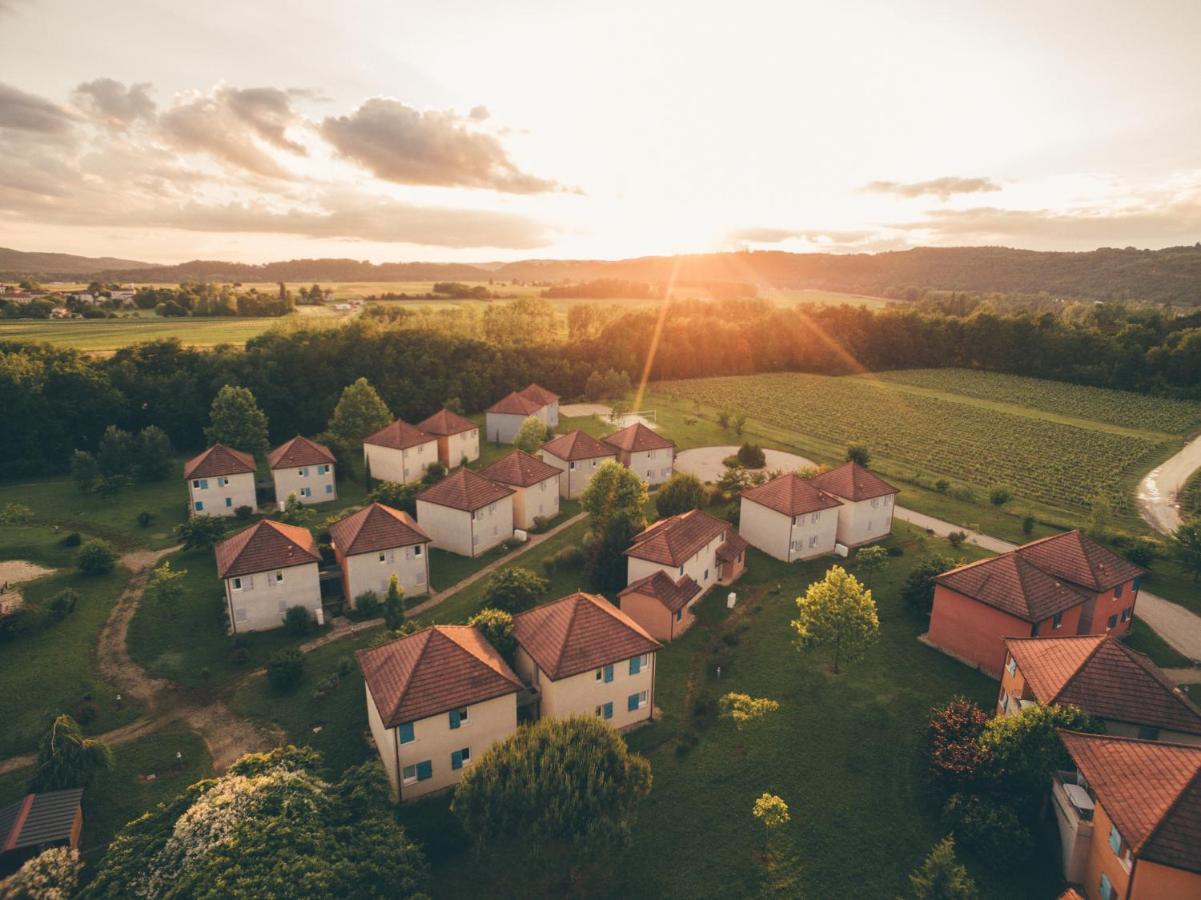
(1057, 586)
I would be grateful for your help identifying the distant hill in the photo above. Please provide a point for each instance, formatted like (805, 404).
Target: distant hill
(20, 264)
(304, 270)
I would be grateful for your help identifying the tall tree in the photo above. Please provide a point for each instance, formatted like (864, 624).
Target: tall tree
(153, 454)
(360, 412)
(394, 605)
(66, 759)
(837, 614)
(166, 585)
(496, 626)
(942, 876)
(859, 453)
(514, 589)
(236, 421)
(1027, 750)
(682, 492)
(614, 492)
(531, 435)
(869, 561)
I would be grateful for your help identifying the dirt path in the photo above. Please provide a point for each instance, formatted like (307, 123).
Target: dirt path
(1157, 492)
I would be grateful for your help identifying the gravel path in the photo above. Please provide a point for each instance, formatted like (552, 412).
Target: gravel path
(1157, 492)
(706, 462)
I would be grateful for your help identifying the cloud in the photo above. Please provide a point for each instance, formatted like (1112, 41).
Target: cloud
(820, 238)
(408, 146)
(943, 188)
(114, 104)
(479, 113)
(232, 125)
(27, 112)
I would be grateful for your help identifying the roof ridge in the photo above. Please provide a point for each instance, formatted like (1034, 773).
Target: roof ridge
(1147, 665)
(575, 607)
(1080, 668)
(400, 699)
(1167, 813)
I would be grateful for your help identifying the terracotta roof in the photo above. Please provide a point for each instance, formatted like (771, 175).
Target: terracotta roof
(299, 451)
(1080, 560)
(1151, 791)
(376, 527)
(734, 546)
(579, 632)
(464, 489)
(35, 819)
(672, 594)
(1013, 585)
(539, 394)
(519, 469)
(1105, 678)
(577, 445)
(791, 495)
(638, 438)
(446, 422)
(676, 539)
(854, 482)
(218, 460)
(441, 668)
(515, 404)
(265, 546)
(399, 435)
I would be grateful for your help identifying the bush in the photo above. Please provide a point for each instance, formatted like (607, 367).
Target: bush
(514, 589)
(96, 557)
(731, 461)
(858, 453)
(298, 621)
(942, 485)
(989, 829)
(967, 495)
(367, 605)
(540, 523)
(19, 622)
(1142, 552)
(917, 591)
(345, 666)
(953, 750)
(86, 712)
(144, 519)
(681, 493)
(752, 456)
(957, 538)
(62, 605)
(15, 514)
(242, 513)
(434, 473)
(285, 669)
(999, 495)
(71, 540)
(239, 656)
(1028, 525)
(326, 685)
(896, 550)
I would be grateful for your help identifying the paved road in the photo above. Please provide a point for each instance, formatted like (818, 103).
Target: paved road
(1157, 492)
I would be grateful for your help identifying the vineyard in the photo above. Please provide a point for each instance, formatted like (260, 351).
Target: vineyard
(927, 438)
(1100, 404)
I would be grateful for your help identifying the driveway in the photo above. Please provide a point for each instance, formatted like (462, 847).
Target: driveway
(706, 462)
(575, 410)
(1157, 492)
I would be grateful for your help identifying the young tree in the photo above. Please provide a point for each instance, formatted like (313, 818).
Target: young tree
(838, 614)
(1027, 750)
(514, 589)
(496, 626)
(682, 492)
(397, 495)
(531, 435)
(999, 495)
(115, 454)
(743, 709)
(752, 456)
(153, 454)
(606, 564)
(165, 585)
(66, 759)
(1100, 514)
(96, 557)
(296, 513)
(614, 492)
(360, 412)
(869, 561)
(200, 532)
(559, 784)
(52, 875)
(957, 758)
(394, 605)
(1185, 547)
(917, 591)
(85, 471)
(236, 421)
(772, 811)
(942, 876)
(858, 453)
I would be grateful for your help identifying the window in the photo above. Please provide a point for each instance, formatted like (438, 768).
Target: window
(229, 501)
(196, 483)
(1115, 841)
(1148, 733)
(816, 516)
(571, 465)
(1117, 592)
(1034, 630)
(1011, 665)
(204, 484)
(383, 556)
(303, 473)
(237, 584)
(279, 577)
(1106, 887)
(417, 550)
(706, 574)
(1004, 703)
(1137, 583)
(425, 770)
(636, 701)
(1126, 614)
(605, 711)
(306, 492)
(460, 758)
(329, 488)
(1113, 621)
(813, 541)
(608, 670)
(1057, 620)
(637, 662)
(199, 504)
(679, 614)
(458, 717)
(594, 463)
(681, 570)
(406, 732)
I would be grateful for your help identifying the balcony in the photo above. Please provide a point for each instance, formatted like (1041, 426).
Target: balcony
(1074, 816)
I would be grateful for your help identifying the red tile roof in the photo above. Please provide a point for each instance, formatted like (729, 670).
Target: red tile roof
(464, 489)
(446, 422)
(515, 404)
(519, 469)
(674, 540)
(399, 435)
(299, 451)
(1151, 791)
(638, 438)
(441, 668)
(1080, 560)
(376, 527)
(218, 460)
(1105, 678)
(672, 594)
(577, 445)
(734, 546)
(577, 633)
(852, 481)
(539, 394)
(791, 495)
(264, 547)
(1013, 585)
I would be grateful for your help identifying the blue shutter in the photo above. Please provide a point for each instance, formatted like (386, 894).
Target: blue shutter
(1117, 592)
(425, 770)
(1115, 840)
(1137, 583)
(635, 665)
(608, 673)
(1106, 887)
(199, 505)
(632, 703)
(329, 488)
(406, 732)
(454, 718)
(229, 501)
(679, 614)
(609, 710)
(204, 484)
(456, 759)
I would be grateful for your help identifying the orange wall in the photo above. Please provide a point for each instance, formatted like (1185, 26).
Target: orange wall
(1155, 882)
(1102, 859)
(972, 630)
(654, 616)
(1014, 685)
(1108, 605)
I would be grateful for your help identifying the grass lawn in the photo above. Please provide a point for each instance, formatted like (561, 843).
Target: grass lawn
(108, 335)
(1146, 641)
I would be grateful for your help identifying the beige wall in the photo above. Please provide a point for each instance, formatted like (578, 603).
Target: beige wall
(862, 523)
(503, 427)
(468, 534)
(575, 475)
(259, 603)
(290, 481)
(656, 618)
(434, 741)
(582, 694)
(702, 566)
(652, 466)
(465, 443)
(365, 572)
(221, 496)
(787, 538)
(402, 466)
(541, 499)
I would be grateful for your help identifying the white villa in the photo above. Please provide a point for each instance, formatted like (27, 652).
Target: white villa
(267, 569)
(867, 503)
(376, 543)
(304, 469)
(466, 513)
(643, 450)
(788, 518)
(535, 486)
(220, 481)
(577, 455)
(695, 544)
(458, 438)
(399, 452)
(503, 419)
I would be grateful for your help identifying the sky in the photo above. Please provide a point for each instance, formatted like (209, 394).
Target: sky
(393, 130)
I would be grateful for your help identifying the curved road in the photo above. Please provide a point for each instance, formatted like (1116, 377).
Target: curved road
(1157, 492)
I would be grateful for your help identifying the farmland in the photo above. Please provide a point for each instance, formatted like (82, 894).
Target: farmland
(1062, 462)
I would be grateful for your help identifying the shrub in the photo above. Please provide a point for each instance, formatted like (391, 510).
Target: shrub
(239, 656)
(200, 532)
(896, 550)
(298, 620)
(71, 540)
(942, 485)
(434, 473)
(144, 519)
(62, 605)
(368, 605)
(96, 557)
(1028, 525)
(86, 712)
(953, 750)
(999, 495)
(957, 538)
(514, 589)
(752, 456)
(510, 543)
(540, 523)
(285, 669)
(496, 626)
(681, 493)
(1142, 552)
(731, 461)
(326, 685)
(858, 453)
(990, 829)
(15, 514)
(242, 513)
(345, 666)
(917, 591)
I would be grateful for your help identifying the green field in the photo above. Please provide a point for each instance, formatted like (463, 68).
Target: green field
(923, 434)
